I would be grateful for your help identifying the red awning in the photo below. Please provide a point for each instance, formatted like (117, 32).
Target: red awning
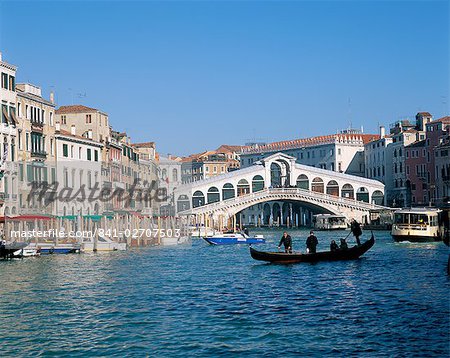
(28, 218)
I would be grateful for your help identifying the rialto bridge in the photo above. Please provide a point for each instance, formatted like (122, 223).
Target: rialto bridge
(274, 188)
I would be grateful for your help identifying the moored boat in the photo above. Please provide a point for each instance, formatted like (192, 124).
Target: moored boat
(416, 225)
(329, 222)
(7, 249)
(102, 243)
(52, 248)
(234, 239)
(352, 253)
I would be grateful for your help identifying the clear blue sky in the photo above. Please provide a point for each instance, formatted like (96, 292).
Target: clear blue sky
(194, 75)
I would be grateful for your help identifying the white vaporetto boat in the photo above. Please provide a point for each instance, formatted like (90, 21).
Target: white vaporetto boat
(416, 225)
(329, 222)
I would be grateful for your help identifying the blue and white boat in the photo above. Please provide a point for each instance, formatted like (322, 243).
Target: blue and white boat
(50, 248)
(234, 239)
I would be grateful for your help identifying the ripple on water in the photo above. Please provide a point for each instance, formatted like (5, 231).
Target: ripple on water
(216, 301)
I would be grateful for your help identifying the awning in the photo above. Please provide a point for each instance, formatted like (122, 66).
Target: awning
(29, 217)
(5, 113)
(14, 119)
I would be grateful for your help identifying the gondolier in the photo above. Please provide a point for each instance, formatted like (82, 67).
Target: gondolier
(355, 227)
(286, 240)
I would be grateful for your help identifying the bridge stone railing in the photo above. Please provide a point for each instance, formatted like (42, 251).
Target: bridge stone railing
(320, 199)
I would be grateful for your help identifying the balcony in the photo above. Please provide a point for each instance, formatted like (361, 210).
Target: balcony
(37, 127)
(39, 155)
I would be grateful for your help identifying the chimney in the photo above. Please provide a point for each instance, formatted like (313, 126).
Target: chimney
(382, 132)
(52, 97)
(90, 133)
(73, 130)
(57, 126)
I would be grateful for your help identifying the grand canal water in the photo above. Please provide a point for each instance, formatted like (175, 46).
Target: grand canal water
(211, 301)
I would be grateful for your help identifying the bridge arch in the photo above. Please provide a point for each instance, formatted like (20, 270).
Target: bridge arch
(257, 183)
(333, 188)
(303, 182)
(228, 191)
(213, 195)
(317, 185)
(348, 191)
(276, 212)
(198, 199)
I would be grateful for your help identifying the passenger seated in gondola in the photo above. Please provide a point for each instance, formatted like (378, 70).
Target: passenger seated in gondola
(246, 231)
(344, 245)
(334, 246)
(286, 240)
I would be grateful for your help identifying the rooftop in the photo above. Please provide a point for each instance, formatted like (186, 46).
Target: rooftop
(351, 138)
(77, 108)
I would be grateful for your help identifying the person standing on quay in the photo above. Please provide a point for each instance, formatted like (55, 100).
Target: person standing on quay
(355, 227)
(311, 242)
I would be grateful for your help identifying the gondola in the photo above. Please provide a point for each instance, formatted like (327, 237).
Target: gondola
(352, 253)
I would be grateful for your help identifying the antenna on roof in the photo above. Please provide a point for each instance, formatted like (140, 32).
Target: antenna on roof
(350, 112)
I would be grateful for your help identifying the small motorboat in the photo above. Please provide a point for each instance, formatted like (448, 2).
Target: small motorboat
(103, 243)
(48, 248)
(7, 249)
(234, 239)
(352, 253)
(28, 251)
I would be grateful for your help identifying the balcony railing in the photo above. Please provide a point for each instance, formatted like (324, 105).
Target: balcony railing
(40, 154)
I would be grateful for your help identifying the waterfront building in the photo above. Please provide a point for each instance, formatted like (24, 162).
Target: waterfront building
(421, 169)
(170, 178)
(435, 133)
(416, 172)
(36, 157)
(378, 160)
(8, 140)
(210, 163)
(148, 177)
(442, 164)
(402, 133)
(78, 171)
(85, 119)
(112, 172)
(342, 152)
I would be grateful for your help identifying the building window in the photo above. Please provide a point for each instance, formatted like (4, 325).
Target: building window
(12, 83)
(63, 120)
(65, 150)
(4, 80)
(88, 118)
(96, 155)
(89, 154)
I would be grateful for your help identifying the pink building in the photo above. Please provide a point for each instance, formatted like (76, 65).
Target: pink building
(420, 163)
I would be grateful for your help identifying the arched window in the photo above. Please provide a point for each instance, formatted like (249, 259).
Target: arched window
(348, 191)
(164, 173)
(228, 191)
(257, 183)
(317, 185)
(377, 197)
(198, 199)
(362, 194)
(243, 187)
(303, 182)
(213, 195)
(333, 188)
(183, 203)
